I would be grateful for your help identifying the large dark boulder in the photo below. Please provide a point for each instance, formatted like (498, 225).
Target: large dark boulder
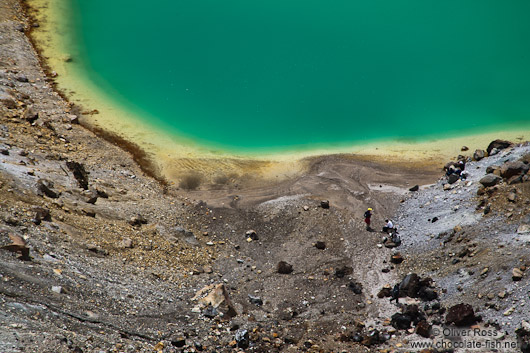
(410, 285)
(427, 294)
(511, 169)
(401, 321)
(461, 315)
(414, 313)
(490, 180)
(453, 178)
(499, 145)
(423, 329)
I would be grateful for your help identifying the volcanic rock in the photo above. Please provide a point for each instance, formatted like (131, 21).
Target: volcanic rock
(461, 315)
(490, 180)
(284, 268)
(499, 145)
(478, 155)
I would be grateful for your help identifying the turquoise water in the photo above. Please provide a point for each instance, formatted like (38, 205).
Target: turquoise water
(251, 75)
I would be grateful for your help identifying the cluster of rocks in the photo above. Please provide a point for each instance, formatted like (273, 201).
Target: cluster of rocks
(412, 286)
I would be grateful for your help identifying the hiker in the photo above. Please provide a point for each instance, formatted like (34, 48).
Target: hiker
(388, 227)
(367, 216)
(395, 294)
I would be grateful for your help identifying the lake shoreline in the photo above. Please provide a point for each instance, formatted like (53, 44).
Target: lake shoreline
(169, 160)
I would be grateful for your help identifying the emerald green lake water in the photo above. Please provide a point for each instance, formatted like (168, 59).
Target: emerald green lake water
(251, 75)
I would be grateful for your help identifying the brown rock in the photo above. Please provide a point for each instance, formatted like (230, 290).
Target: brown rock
(423, 329)
(461, 315)
(478, 155)
(18, 244)
(511, 169)
(30, 115)
(41, 214)
(396, 258)
(499, 145)
(517, 274)
(217, 297)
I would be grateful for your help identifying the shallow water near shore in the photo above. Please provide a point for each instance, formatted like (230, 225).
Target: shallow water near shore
(269, 77)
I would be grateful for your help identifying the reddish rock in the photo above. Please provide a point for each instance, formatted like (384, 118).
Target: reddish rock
(461, 315)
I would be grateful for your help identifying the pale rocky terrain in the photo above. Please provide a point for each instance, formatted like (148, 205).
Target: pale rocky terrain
(117, 255)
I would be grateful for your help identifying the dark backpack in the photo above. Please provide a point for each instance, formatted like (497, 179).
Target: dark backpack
(367, 214)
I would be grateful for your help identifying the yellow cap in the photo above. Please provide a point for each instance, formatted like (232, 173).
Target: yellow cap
(369, 209)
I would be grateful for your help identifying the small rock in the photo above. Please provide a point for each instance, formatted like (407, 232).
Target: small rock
(324, 204)
(478, 155)
(356, 287)
(210, 312)
(509, 311)
(178, 341)
(284, 268)
(517, 274)
(512, 197)
(57, 289)
(22, 78)
(251, 234)
(30, 115)
(396, 258)
(340, 272)
(242, 338)
(414, 188)
(73, 119)
(137, 220)
(523, 229)
(46, 187)
(41, 214)
(464, 148)
(255, 300)
(320, 245)
(126, 243)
